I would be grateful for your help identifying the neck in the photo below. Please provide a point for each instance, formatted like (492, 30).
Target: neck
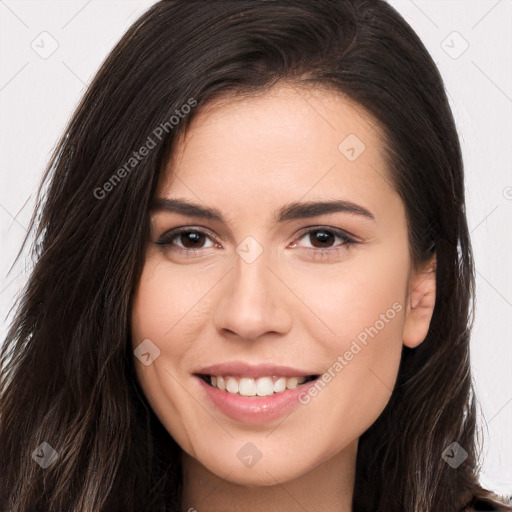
(328, 487)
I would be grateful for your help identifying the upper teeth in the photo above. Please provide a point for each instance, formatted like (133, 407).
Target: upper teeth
(263, 386)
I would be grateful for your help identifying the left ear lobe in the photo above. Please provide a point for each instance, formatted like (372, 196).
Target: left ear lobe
(420, 304)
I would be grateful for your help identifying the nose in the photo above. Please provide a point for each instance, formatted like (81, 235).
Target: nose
(254, 301)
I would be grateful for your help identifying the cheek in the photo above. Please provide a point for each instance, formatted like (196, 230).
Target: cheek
(167, 304)
(345, 302)
(171, 308)
(156, 313)
(361, 307)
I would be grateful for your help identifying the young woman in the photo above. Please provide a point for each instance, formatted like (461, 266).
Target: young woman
(254, 277)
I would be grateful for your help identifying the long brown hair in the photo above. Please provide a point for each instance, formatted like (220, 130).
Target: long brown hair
(67, 370)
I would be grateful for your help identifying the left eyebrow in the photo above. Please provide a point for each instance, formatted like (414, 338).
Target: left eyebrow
(309, 209)
(291, 211)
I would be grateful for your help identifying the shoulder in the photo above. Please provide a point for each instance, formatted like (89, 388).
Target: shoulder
(487, 504)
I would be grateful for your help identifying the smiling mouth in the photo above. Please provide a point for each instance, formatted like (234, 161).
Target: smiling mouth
(255, 387)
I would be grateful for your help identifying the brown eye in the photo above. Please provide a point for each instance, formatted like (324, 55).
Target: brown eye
(191, 239)
(186, 239)
(321, 238)
(325, 238)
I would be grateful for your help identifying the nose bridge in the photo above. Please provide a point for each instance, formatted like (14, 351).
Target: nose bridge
(252, 301)
(251, 274)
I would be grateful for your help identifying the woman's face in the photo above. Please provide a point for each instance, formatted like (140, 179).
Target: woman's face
(268, 289)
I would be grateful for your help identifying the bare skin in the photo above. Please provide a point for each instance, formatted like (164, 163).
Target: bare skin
(302, 302)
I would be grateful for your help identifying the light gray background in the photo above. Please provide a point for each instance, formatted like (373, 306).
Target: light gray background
(38, 93)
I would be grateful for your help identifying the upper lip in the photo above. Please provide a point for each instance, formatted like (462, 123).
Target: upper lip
(242, 369)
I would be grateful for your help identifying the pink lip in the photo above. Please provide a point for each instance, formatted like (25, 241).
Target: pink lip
(256, 410)
(241, 369)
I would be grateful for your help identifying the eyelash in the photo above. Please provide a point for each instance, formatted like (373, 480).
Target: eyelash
(166, 240)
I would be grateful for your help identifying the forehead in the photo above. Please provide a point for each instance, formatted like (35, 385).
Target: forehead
(285, 116)
(298, 142)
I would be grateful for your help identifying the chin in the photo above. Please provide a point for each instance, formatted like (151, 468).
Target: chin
(267, 471)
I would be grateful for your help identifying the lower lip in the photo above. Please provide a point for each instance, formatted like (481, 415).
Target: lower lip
(254, 409)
